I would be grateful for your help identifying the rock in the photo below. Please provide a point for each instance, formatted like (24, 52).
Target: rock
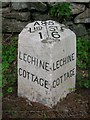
(51, 3)
(19, 5)
(39, 6)
(65, 110)
(89, 4)
(6, 10)
(83, 17)
(0, 13)
(38, 45)
(84, 1)
(38, 16)
(5, 4)
(77, 8)
(12, 25)
(68, 23)
(88, 33)
(22, 16)
(0, 5)
(79, 29)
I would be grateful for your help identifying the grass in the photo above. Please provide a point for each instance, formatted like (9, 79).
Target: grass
(61, 10)
(83, 46)
(9, 67)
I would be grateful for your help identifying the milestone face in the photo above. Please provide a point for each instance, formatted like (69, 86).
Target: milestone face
(47, 31)
(46, 62)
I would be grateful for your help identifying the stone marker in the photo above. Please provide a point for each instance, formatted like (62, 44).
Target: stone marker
(46, 62)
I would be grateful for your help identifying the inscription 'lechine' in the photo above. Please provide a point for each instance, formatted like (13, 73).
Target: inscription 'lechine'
(46, 65)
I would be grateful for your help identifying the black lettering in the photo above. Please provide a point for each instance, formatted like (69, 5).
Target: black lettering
(41, 82)
(36, 79)
(29, 59)
(61, 62)
(50, 23)
(20, 55)
(72, 72)
(38, 28)
(57, 64)
(73, 56)
(58, 81)
(43, 22)
(24, 73)
(40, 35)
(52, 29)
(65, 77)
(32, 77)
(30, 30)
(28, 73)
(41, 64)
(61, 78)
(25, 57)
(46, 66)
(64, 61)
(54, 85)
(69, 59)
(20, 70)
(54, 68)
(33, 60)
(36, 23)
(55, 35)
(46, 83)
(37, 63)
(68, 75)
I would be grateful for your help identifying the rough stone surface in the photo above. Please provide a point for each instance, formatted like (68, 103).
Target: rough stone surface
(46, 62)
(83, 17)
(19, 5)
(5, 4)
(31, 11)
(51, 3)
(6, 10)
(77, 8)
(79, 29)
(89, 4)
(11, 25)
(85, 1)
(22, 16)
(88, 33)
(39, 6)
(38, 16)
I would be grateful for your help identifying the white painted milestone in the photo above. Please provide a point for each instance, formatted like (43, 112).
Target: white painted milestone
(46, 62)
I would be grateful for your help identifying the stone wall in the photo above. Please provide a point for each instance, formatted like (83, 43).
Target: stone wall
(16, 15)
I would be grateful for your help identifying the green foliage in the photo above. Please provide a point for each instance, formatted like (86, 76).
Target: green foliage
(9, 73)
(83, 46)
(61, 9)
(8, 56)
(85, 84)
(9, 90)
(82, 52)
(45, 117)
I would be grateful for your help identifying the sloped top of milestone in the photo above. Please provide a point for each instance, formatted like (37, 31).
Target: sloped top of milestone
(45, 31)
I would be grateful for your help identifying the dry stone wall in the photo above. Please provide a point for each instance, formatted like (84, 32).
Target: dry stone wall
(16, 15)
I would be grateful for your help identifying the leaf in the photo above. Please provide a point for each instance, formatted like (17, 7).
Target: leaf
(9, 90)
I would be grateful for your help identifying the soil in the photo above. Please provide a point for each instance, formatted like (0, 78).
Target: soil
(75, 105)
